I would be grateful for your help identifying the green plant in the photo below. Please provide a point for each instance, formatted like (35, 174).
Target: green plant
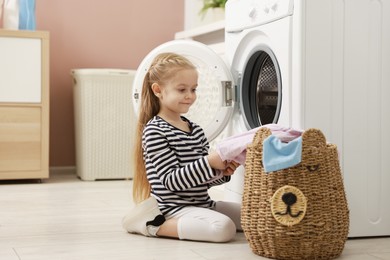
(207, 4)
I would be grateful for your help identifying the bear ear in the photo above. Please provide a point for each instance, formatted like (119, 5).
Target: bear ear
(313, 137)
(260, 136)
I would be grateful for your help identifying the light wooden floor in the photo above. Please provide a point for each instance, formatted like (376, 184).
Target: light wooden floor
(65, 218)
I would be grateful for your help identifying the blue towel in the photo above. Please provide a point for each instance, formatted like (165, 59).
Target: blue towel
(278, 155)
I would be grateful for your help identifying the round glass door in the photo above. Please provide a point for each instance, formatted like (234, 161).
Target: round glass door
(261, 89)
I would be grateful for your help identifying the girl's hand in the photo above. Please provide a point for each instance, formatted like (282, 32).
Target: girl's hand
(230, 168)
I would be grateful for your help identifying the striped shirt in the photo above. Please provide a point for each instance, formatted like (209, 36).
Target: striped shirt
(177, 167)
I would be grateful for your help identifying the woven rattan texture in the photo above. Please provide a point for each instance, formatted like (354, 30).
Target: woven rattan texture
(322, 232)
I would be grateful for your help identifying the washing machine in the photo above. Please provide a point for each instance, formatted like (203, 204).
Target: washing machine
(334, 58)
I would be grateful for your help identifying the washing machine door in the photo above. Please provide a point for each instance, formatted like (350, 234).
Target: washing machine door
(214, 105)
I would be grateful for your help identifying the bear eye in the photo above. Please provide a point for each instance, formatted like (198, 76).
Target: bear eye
(313, 168)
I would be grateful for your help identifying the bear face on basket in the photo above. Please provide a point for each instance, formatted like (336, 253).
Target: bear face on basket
(300, 212)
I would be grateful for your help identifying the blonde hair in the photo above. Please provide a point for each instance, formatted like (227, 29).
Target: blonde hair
(163, 68)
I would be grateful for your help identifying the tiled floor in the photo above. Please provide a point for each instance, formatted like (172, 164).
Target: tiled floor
(65, 218)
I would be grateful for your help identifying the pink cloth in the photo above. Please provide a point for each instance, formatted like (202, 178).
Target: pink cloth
(234, 147)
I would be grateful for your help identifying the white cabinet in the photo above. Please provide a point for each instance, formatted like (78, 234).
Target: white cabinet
(24, 104)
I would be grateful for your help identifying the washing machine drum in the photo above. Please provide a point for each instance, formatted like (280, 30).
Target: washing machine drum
(214, 105)
(261, 89)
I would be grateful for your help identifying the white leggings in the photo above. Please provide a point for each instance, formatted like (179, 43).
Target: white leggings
(213, 225)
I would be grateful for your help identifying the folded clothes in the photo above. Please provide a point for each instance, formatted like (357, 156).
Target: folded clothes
(234, 147)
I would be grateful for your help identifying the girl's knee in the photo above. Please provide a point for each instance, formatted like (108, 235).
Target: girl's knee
(224, 231)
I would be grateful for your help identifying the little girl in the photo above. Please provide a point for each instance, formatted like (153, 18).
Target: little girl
(173, 169)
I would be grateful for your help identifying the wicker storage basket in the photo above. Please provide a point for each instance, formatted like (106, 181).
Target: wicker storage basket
(299, 212)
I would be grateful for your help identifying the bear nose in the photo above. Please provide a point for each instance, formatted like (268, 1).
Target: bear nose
(289, 198)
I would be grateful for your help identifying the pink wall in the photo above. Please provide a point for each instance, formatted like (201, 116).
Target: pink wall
(97, 34)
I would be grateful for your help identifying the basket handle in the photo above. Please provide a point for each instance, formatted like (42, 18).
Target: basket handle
(314, 137)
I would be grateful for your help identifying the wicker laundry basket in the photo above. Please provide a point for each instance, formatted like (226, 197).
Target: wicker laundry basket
(299, 212)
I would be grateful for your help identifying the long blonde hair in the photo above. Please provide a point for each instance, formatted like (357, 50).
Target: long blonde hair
(163, 67)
